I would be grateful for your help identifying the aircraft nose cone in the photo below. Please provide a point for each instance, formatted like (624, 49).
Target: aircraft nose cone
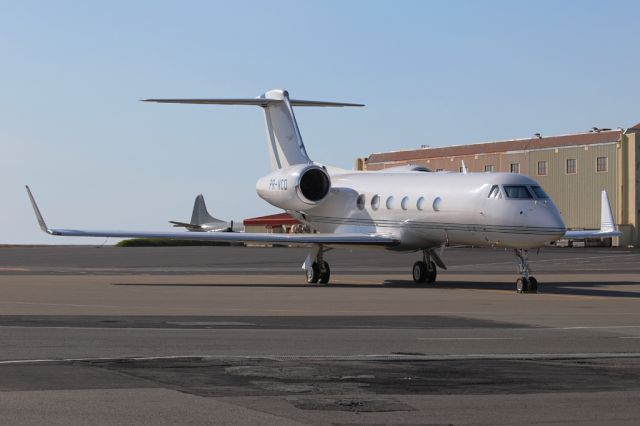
(551, 217)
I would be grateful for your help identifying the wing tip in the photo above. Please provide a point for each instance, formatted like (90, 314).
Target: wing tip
(36, 210)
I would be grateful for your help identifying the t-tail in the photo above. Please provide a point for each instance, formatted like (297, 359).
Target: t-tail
(283, 135)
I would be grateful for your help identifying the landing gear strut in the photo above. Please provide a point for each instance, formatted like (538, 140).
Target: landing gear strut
(424, 271)
(527, 283)
(317, 268)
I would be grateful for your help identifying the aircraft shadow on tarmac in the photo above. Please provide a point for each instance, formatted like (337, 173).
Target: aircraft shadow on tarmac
(577, 288)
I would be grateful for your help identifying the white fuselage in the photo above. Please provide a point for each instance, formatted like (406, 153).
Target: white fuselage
(426, 209)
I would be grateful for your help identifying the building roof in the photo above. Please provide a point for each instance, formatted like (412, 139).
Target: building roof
(272, 220)
(590, 138)
(634, 128)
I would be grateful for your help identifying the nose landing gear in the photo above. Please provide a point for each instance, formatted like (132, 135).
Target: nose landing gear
(526, 283)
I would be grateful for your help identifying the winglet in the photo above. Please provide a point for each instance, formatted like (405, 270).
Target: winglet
(36, 210)
(607, 224)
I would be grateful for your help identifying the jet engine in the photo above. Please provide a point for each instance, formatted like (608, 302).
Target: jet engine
(298, 187)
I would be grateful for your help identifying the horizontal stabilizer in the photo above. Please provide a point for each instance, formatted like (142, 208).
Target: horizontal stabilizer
(189, 226)
(262, 102)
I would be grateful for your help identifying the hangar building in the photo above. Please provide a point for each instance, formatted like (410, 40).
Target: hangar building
(573, 169)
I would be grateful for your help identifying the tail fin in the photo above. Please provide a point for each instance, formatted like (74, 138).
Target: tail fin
(607, 224)
(200, 215)
(283, 136)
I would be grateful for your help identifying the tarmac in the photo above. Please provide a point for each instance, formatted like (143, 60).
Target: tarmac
(234, 335)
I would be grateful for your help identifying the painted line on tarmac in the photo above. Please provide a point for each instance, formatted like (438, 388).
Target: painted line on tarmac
(355, 357)
(596, 327)
(469, 338)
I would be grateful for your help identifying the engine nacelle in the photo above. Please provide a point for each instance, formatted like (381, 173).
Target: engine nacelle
(298, 187)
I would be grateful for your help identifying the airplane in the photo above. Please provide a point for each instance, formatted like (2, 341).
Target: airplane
(405, 208)
(202, 221)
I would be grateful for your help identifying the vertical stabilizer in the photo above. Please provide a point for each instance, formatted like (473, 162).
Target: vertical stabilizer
(607, 224)
(200, 215)
(283, 136)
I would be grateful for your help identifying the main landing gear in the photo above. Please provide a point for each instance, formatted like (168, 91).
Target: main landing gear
(318, 271)
(526, 283)
(424, 271)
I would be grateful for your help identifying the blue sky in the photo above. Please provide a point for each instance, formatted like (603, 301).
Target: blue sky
(438, 73)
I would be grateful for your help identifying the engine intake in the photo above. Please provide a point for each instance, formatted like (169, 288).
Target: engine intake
(298, 187)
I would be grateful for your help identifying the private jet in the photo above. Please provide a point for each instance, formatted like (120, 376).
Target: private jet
(407, 208)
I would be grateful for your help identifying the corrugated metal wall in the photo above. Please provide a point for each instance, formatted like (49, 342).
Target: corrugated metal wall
(578, 195)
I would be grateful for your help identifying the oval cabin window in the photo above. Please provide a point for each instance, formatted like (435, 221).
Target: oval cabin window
(389, 203)
(404, 203)
(375, 202)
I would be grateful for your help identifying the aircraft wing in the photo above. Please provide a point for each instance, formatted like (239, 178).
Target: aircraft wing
(333, 239)
(608, 226)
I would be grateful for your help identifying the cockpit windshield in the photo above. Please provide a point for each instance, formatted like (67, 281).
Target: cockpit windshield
(539, 192)
(495, 192)
(517, 191)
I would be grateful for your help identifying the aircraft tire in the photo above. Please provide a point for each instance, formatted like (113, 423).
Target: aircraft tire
(325, 275)
(420, 272)
(533, 285)
(521, 285)
(313, 274)
(432, 274)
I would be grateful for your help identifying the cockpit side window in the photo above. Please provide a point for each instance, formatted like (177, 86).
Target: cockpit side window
(517, 191)
(539, 192)
(495, 192)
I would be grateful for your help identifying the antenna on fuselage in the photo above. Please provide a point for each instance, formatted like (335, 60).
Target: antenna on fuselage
(463, 168)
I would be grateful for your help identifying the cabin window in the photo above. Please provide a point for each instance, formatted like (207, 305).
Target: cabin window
(439, 170)
(420, 204)
(488, 168)
(542, 168)
(601, 164)
(361, 201)
(495, 192)
(389, 202)
(539, 192)
(404, 203)
(517, 191)
(437, 204)
(572, 166)
(375, 202)
(515, 167)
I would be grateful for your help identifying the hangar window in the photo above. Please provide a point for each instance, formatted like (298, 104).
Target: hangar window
(517, 191)
(488, 168)
(495, 192)
(404, 203)
(539, 192)
(601, 164)
(542, 168)
(375, 202)
(572, 166)
(421, 203)
(389, 202)
(515, 167)
(361, 201)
